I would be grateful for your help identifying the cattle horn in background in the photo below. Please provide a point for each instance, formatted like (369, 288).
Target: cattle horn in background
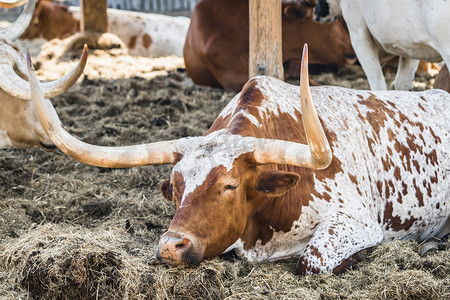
(315, 155)
(20, 25)
(13, 66)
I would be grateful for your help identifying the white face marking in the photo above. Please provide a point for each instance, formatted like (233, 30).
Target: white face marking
(202, 154)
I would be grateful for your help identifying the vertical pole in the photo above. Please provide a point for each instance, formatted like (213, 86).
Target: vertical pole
(265, 38)
(93, 16)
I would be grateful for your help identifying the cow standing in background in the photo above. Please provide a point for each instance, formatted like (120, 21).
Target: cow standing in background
(217, 42)
(271, 180)
(19, 123)
(411, 29)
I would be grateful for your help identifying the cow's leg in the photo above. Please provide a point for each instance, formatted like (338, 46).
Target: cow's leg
(405, 73)
(365, 48)
(367, 53)
(335, 243)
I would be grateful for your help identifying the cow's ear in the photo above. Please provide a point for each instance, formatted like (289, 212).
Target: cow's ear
(166, 189)
(274, 183)
(292, 11)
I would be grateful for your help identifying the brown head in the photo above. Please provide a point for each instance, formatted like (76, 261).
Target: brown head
(215, 197)
(329, 44)
(216, 181)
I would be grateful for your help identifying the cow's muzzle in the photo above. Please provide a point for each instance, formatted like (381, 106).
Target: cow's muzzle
(176, 249)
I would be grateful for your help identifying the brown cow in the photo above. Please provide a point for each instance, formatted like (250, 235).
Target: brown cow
(51, 20)
(272, 180)
(442, 80)
(19, 123)
(217, 42)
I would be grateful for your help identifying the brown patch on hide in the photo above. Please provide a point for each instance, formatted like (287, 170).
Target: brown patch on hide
(132, 42)
(250, 95)
(432, 157)
(146, 40)
(377, 115)
(395, 222)
(278, 214)
(304, 266)
(347, 264)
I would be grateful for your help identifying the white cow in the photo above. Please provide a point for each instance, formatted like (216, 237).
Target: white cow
(146, 34)
(412, 29)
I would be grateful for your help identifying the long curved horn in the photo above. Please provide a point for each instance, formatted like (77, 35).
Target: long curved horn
(20, 88)
(21, 24)
(108, 157)
(317, 154)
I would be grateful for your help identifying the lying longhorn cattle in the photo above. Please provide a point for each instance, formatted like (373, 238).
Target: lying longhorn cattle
(19, 123)
(144, 34)
(443, 80)
(217, 42)
(272, 180)
(411, 29)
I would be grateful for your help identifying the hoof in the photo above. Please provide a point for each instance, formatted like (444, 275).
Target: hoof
(431, 245)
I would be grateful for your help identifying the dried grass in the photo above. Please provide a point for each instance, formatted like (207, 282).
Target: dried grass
(71, 231)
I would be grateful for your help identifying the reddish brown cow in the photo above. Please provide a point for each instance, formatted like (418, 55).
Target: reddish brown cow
(217, 42)
(51, 20)
(443, 80)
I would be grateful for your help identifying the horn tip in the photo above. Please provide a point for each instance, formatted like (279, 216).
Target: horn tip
(304, 59)
(29, 65)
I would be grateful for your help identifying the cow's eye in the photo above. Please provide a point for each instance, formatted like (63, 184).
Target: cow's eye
(230, 187)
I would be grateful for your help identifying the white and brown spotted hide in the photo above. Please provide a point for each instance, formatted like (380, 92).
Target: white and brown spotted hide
(388, 178)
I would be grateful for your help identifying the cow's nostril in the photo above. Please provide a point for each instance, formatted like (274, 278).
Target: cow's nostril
(183, 244)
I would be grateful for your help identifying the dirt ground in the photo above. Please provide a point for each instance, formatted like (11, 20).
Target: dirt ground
(72, 231)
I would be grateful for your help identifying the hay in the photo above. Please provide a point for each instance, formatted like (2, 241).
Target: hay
(68, 230)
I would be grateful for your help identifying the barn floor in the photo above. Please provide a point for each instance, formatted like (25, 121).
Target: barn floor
(72, 231)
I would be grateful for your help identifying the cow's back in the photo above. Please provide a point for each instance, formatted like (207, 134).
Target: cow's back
(390, 155)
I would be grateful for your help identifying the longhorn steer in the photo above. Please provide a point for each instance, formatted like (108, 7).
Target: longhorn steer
(19, 123)
(259, 183)
(411, 29)
(217, 42)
